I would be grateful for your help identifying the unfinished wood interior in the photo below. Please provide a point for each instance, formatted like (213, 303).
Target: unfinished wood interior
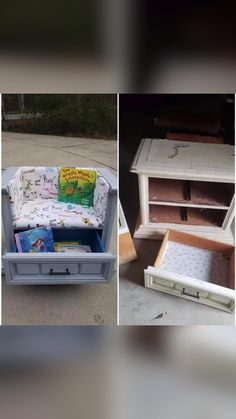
(196, 257)
(127, 251)
(211, 194)
(184, 215)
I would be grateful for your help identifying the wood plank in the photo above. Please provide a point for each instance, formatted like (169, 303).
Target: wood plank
(197, 241)
(189, 121)
(127, 251)
(158, 231)
(162, 249)
(196, 138)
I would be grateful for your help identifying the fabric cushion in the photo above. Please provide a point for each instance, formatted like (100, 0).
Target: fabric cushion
(40, 182)
(100, 198)
(16, 194)
(32, 189)
(42, 212)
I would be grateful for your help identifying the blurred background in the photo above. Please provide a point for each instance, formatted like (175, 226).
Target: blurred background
(73, 115)
(126, 372)
(109, 46)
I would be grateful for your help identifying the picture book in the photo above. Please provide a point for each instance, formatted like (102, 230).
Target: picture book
(36, 240)
(77, 186)
(56, 244)
(74, 248)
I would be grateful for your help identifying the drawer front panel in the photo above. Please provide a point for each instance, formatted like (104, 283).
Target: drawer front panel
(27, 269)
(92, 268)
(58, 269)
(200, 292)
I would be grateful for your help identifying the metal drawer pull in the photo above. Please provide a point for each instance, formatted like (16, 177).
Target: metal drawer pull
(67, 272)
(190, 295)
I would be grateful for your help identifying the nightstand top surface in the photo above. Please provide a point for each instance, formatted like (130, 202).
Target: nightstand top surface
(185, 160)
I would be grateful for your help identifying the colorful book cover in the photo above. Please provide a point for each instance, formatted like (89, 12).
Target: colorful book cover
(37, 240)
(56, 244)
(77, 186)
(74, 248)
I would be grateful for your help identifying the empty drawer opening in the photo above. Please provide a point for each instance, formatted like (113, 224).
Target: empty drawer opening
(184, 215)
(87, 237)
(211, 194)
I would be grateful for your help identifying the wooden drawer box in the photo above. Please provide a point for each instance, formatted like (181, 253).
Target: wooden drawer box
(62, 268)
(196, 269)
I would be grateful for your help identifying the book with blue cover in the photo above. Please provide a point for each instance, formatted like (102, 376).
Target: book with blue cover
(37, 240)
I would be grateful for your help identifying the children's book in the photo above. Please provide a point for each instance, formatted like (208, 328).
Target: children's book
(77, 186)
(36, 240)
(74, 248)
(56, 244)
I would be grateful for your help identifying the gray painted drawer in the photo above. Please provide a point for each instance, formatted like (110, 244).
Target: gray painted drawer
(54, 268)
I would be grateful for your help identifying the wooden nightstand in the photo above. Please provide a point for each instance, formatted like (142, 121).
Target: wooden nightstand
(185, 186)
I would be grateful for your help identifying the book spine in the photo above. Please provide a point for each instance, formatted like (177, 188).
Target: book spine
(18, 243)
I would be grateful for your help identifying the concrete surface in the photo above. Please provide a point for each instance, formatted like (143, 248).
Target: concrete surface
(35, 150)
(143, 306)
(55, 305)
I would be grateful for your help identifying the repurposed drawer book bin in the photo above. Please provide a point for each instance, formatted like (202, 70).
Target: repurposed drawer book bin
(29, 199)
(196, 269)
(185, 186)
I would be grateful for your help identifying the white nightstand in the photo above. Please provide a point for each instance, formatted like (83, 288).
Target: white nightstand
(185, 186)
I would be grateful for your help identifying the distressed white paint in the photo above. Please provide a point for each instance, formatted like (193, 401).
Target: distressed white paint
(185, 161)
(143, 194)
(229, 216)
(157, 231)
(180, 204)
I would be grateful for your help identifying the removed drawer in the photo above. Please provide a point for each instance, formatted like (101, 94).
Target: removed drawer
(196, 269)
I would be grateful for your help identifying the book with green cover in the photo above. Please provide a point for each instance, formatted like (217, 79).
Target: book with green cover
(77, 186)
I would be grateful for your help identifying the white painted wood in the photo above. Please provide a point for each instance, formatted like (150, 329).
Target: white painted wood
(123, 227)
(157, 232)
(185, 160)
(229, 216)
(143, 194)
(177, 204)
(189, 288)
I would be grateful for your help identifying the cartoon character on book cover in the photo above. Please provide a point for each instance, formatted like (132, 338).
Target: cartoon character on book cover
(37, 246)
(37, 240)
(77, 186)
